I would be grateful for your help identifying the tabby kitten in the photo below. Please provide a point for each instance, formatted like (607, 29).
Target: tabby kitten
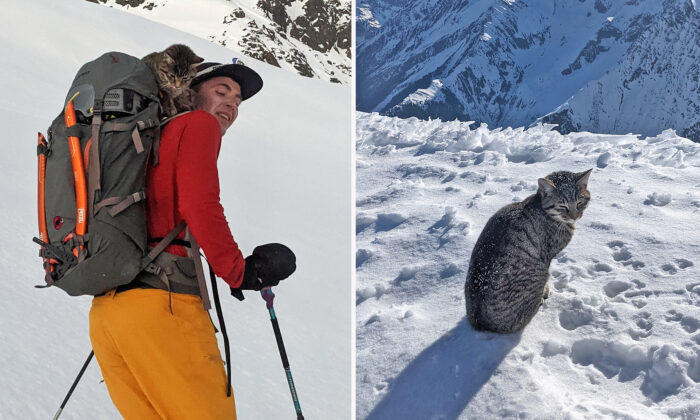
(174, 69)
(509, 267)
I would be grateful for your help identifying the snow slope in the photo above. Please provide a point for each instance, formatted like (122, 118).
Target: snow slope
(311, 38)
(619, 336)
(285, 177)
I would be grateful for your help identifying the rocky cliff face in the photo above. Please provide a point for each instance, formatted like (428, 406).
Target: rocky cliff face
(595, 65)
(310, 37)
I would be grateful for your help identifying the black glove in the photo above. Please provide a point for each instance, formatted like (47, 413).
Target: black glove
(266, 267)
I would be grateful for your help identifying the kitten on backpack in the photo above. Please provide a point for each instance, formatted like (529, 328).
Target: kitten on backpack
(509, 267)
(174, 69)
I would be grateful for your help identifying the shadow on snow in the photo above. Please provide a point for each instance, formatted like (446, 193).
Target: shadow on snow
(443, 378)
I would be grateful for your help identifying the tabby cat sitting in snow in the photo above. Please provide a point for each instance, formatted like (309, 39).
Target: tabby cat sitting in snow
(509, 267)
(174, 69)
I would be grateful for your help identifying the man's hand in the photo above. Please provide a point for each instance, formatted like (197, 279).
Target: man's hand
(266, 267)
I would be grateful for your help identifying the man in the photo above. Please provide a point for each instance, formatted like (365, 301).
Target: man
(153, 338)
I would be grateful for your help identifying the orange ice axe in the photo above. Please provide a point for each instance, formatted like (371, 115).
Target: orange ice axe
(76, 157)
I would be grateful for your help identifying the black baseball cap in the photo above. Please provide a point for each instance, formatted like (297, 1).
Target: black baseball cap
(247, 78)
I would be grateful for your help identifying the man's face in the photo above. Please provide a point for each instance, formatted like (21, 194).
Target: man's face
(219, 96)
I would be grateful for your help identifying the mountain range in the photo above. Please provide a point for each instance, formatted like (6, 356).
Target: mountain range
(587, 65)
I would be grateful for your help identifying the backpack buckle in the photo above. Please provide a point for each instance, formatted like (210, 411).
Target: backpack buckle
(153, 269)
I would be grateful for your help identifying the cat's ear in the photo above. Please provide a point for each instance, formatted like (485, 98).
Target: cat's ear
(546, 186)
(582, 178)
(196, 59)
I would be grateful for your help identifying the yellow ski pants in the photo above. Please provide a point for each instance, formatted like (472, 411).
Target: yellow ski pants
(159, 365)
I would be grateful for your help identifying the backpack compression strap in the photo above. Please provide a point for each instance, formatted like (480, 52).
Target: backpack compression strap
(193, 253)
(94, 161)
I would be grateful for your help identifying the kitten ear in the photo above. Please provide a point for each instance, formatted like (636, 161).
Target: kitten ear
(196, 59)
(582, 178)
(546, 186)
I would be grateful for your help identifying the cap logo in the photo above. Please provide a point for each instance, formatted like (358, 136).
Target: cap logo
(208, 70)
(216, 66)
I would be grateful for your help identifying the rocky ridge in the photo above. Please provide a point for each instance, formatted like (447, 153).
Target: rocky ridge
(595, 65)
(309, 37)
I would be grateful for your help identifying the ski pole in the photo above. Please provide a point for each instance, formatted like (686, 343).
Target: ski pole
(75, 383)
(269, 297)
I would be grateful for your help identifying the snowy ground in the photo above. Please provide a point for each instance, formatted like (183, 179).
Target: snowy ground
(270, 164)
(618, 338)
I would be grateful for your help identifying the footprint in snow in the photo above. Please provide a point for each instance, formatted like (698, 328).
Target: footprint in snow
(363, 221)
(577, 315)
(406, 273)
(362, 256)
(365, 293)
(680, 264)
(602, 268)
(615, 287)
(449, 177)
(693, 288)
(644, 325)
(449, 227)
(388, 221)
(683, 263)
(669, 268)
(449, 271)
(623, 255)
(603, 160)
(688, 323)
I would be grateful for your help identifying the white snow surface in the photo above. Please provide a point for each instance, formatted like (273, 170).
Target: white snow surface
(619, 336)
(285, 177)
(214, 20)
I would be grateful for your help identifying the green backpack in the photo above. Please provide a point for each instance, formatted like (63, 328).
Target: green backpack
(92, 186)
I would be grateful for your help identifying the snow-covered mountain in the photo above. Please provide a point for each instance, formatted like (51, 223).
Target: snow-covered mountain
(285, 173)
(309, 37)
(619, 336)
(594, 65)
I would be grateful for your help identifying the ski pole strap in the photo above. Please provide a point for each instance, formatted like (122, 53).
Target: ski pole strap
(75, 383)
(222, 326)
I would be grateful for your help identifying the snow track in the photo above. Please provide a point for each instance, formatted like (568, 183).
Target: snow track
(618, 337)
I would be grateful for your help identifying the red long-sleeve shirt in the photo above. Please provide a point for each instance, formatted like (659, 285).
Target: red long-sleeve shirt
(185, 186)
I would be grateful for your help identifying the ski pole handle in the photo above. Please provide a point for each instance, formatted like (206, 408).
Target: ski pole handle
(268, 297)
